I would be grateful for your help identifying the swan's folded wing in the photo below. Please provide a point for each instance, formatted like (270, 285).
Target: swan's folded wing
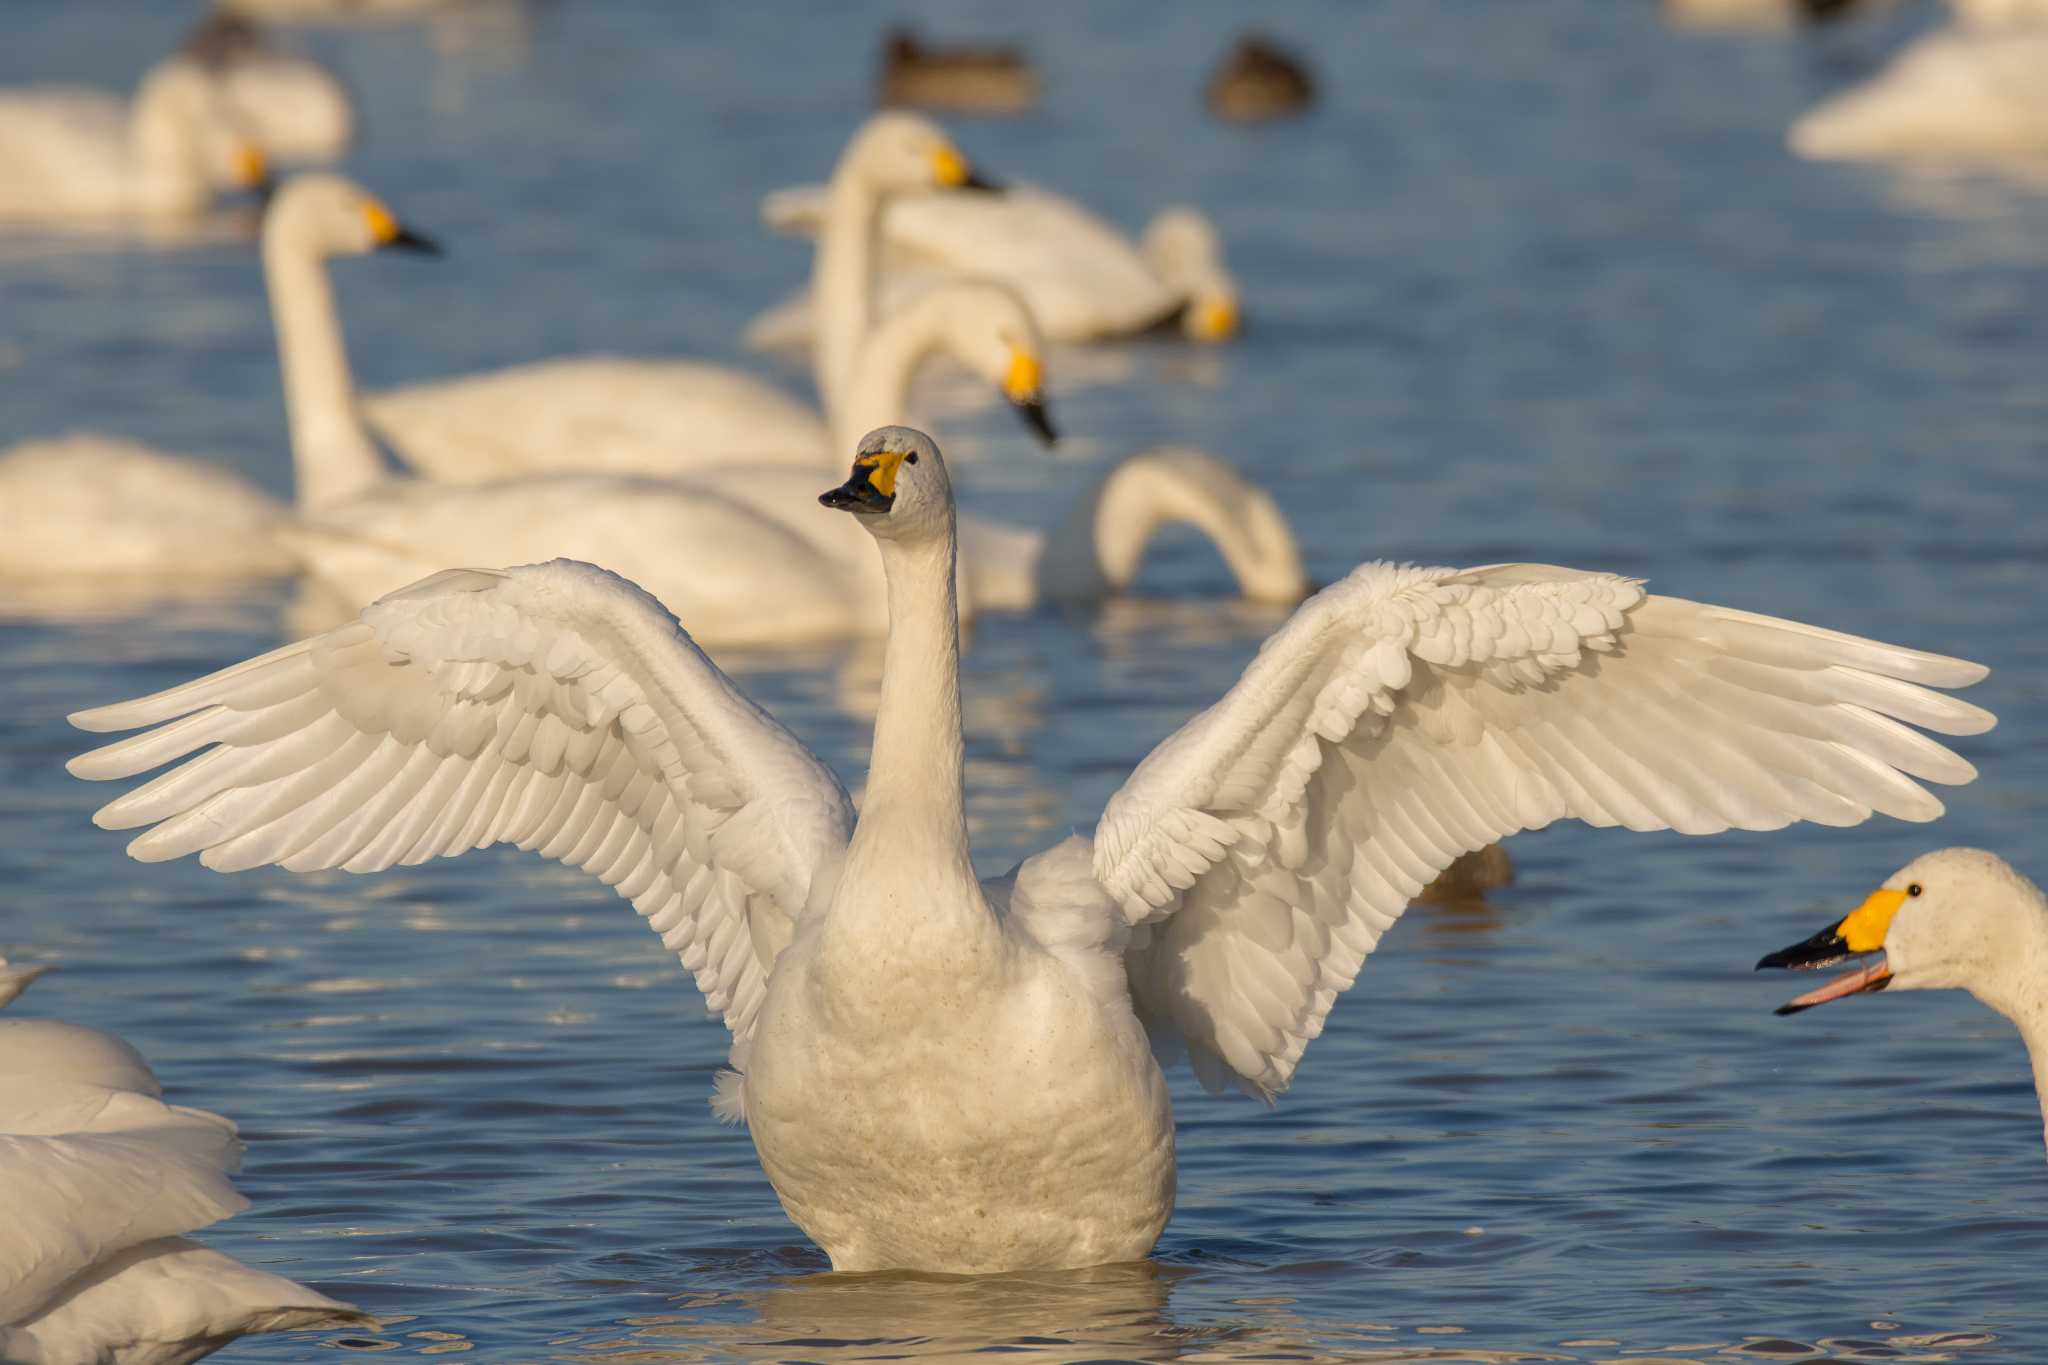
(72, 1201)
(555, 706)
(1405, 716)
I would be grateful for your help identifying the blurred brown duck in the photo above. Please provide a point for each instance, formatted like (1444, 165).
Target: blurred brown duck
(1257, 80)
(968, 80)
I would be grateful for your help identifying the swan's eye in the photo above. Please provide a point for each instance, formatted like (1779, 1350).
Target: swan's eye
(1913, 890)
(911, 458)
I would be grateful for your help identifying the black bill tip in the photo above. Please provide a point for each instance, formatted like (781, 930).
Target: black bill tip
(408, 240)
(1824, 949)
(1032, 410)
(976, 181)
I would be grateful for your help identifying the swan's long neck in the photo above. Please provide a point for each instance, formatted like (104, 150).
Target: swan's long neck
(164, 144)
(1099, 547)
(2016, 985)
(842, 281)
(333, 457)
(877, 393)
(909, 879)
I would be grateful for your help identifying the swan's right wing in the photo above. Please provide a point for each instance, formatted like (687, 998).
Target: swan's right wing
(555, 706)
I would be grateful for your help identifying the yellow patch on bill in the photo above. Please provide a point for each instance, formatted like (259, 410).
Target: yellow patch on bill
(383, 226)
(1865, 927)
(250, 167)
(949, 168)
(1024, 378)
(882, 467)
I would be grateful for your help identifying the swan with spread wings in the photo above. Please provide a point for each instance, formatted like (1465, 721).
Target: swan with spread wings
(947, 1074)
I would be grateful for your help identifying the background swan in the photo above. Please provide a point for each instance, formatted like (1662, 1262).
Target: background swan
(610, 412)
(748, 558)
(1957, 918)
(1969, 90)
(68, 153)
(954, 1075)
(293, 107)
(1083, 279)
(664, 417)
(100, 1180)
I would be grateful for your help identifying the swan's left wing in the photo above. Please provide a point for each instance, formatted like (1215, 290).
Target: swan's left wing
(1405, 716)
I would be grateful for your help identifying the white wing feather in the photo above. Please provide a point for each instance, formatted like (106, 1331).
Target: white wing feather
(1405, 716)
(555, 706)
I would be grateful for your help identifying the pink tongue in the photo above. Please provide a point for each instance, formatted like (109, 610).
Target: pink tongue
(1848, 983)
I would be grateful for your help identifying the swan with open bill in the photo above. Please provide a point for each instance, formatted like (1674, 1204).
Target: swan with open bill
(660, 416)
(947, 1074)
(100, 1180)
(1959, 918)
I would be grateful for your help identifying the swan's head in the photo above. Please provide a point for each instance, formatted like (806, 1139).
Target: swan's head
(903, 152)
(1958, 917)
(181, 121)
(988, 328)
(1182, 247)
(327, 215)
(898, 489)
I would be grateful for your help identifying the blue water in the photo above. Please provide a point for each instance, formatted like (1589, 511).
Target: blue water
(1537, 281)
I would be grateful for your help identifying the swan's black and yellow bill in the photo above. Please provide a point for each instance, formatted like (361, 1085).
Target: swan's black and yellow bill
(1024, 386)
(1861, 931)
(871, 489)
(952, 171)
(392, 235)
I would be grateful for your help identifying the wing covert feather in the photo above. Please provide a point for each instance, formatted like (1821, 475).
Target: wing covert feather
(1405, 716)
(556, 707)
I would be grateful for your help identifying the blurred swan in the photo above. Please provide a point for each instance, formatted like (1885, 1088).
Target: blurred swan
(1968, 90)
(100, 1180)
(657, 416)
(291, 106)
(70, 153)
(971, 80)
(1082, 279)
(665, 417)
(1956, 918)
(747, 557)
(98, 512)
(951, 1075)
(1259, 80)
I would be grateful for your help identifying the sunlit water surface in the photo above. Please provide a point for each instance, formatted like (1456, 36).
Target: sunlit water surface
(1536, 282)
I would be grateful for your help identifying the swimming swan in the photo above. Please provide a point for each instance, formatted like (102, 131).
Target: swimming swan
(89, 511)
(950, 1075)
(100, 1179)
(663, 417)
(747, 557)
(293, 107)
(1957, 917)
(1082, 279)
(1968, 90)
(657, 416)
(78, 154)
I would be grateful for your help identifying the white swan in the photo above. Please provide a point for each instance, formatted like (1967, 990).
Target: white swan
(748, 558)
(100, 1180)
(92, 514)
(293, 107)
(665, 417)
(659, 416)
(1957, 918)
(1082, 279)
(1968, 90)
(78, 154)
(951, 1075)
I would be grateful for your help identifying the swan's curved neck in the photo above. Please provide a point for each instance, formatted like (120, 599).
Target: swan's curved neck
(332, 455)
(1098, 548)
(842, 280)
(877, 393)
(164, 145)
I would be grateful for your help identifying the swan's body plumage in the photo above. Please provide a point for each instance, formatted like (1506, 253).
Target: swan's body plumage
(101, 1181)
(942, 1073)
(661, 417)
(1953, 919)
(1968, 90)
(86, 506)
(1083, 279)
(80, 155)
